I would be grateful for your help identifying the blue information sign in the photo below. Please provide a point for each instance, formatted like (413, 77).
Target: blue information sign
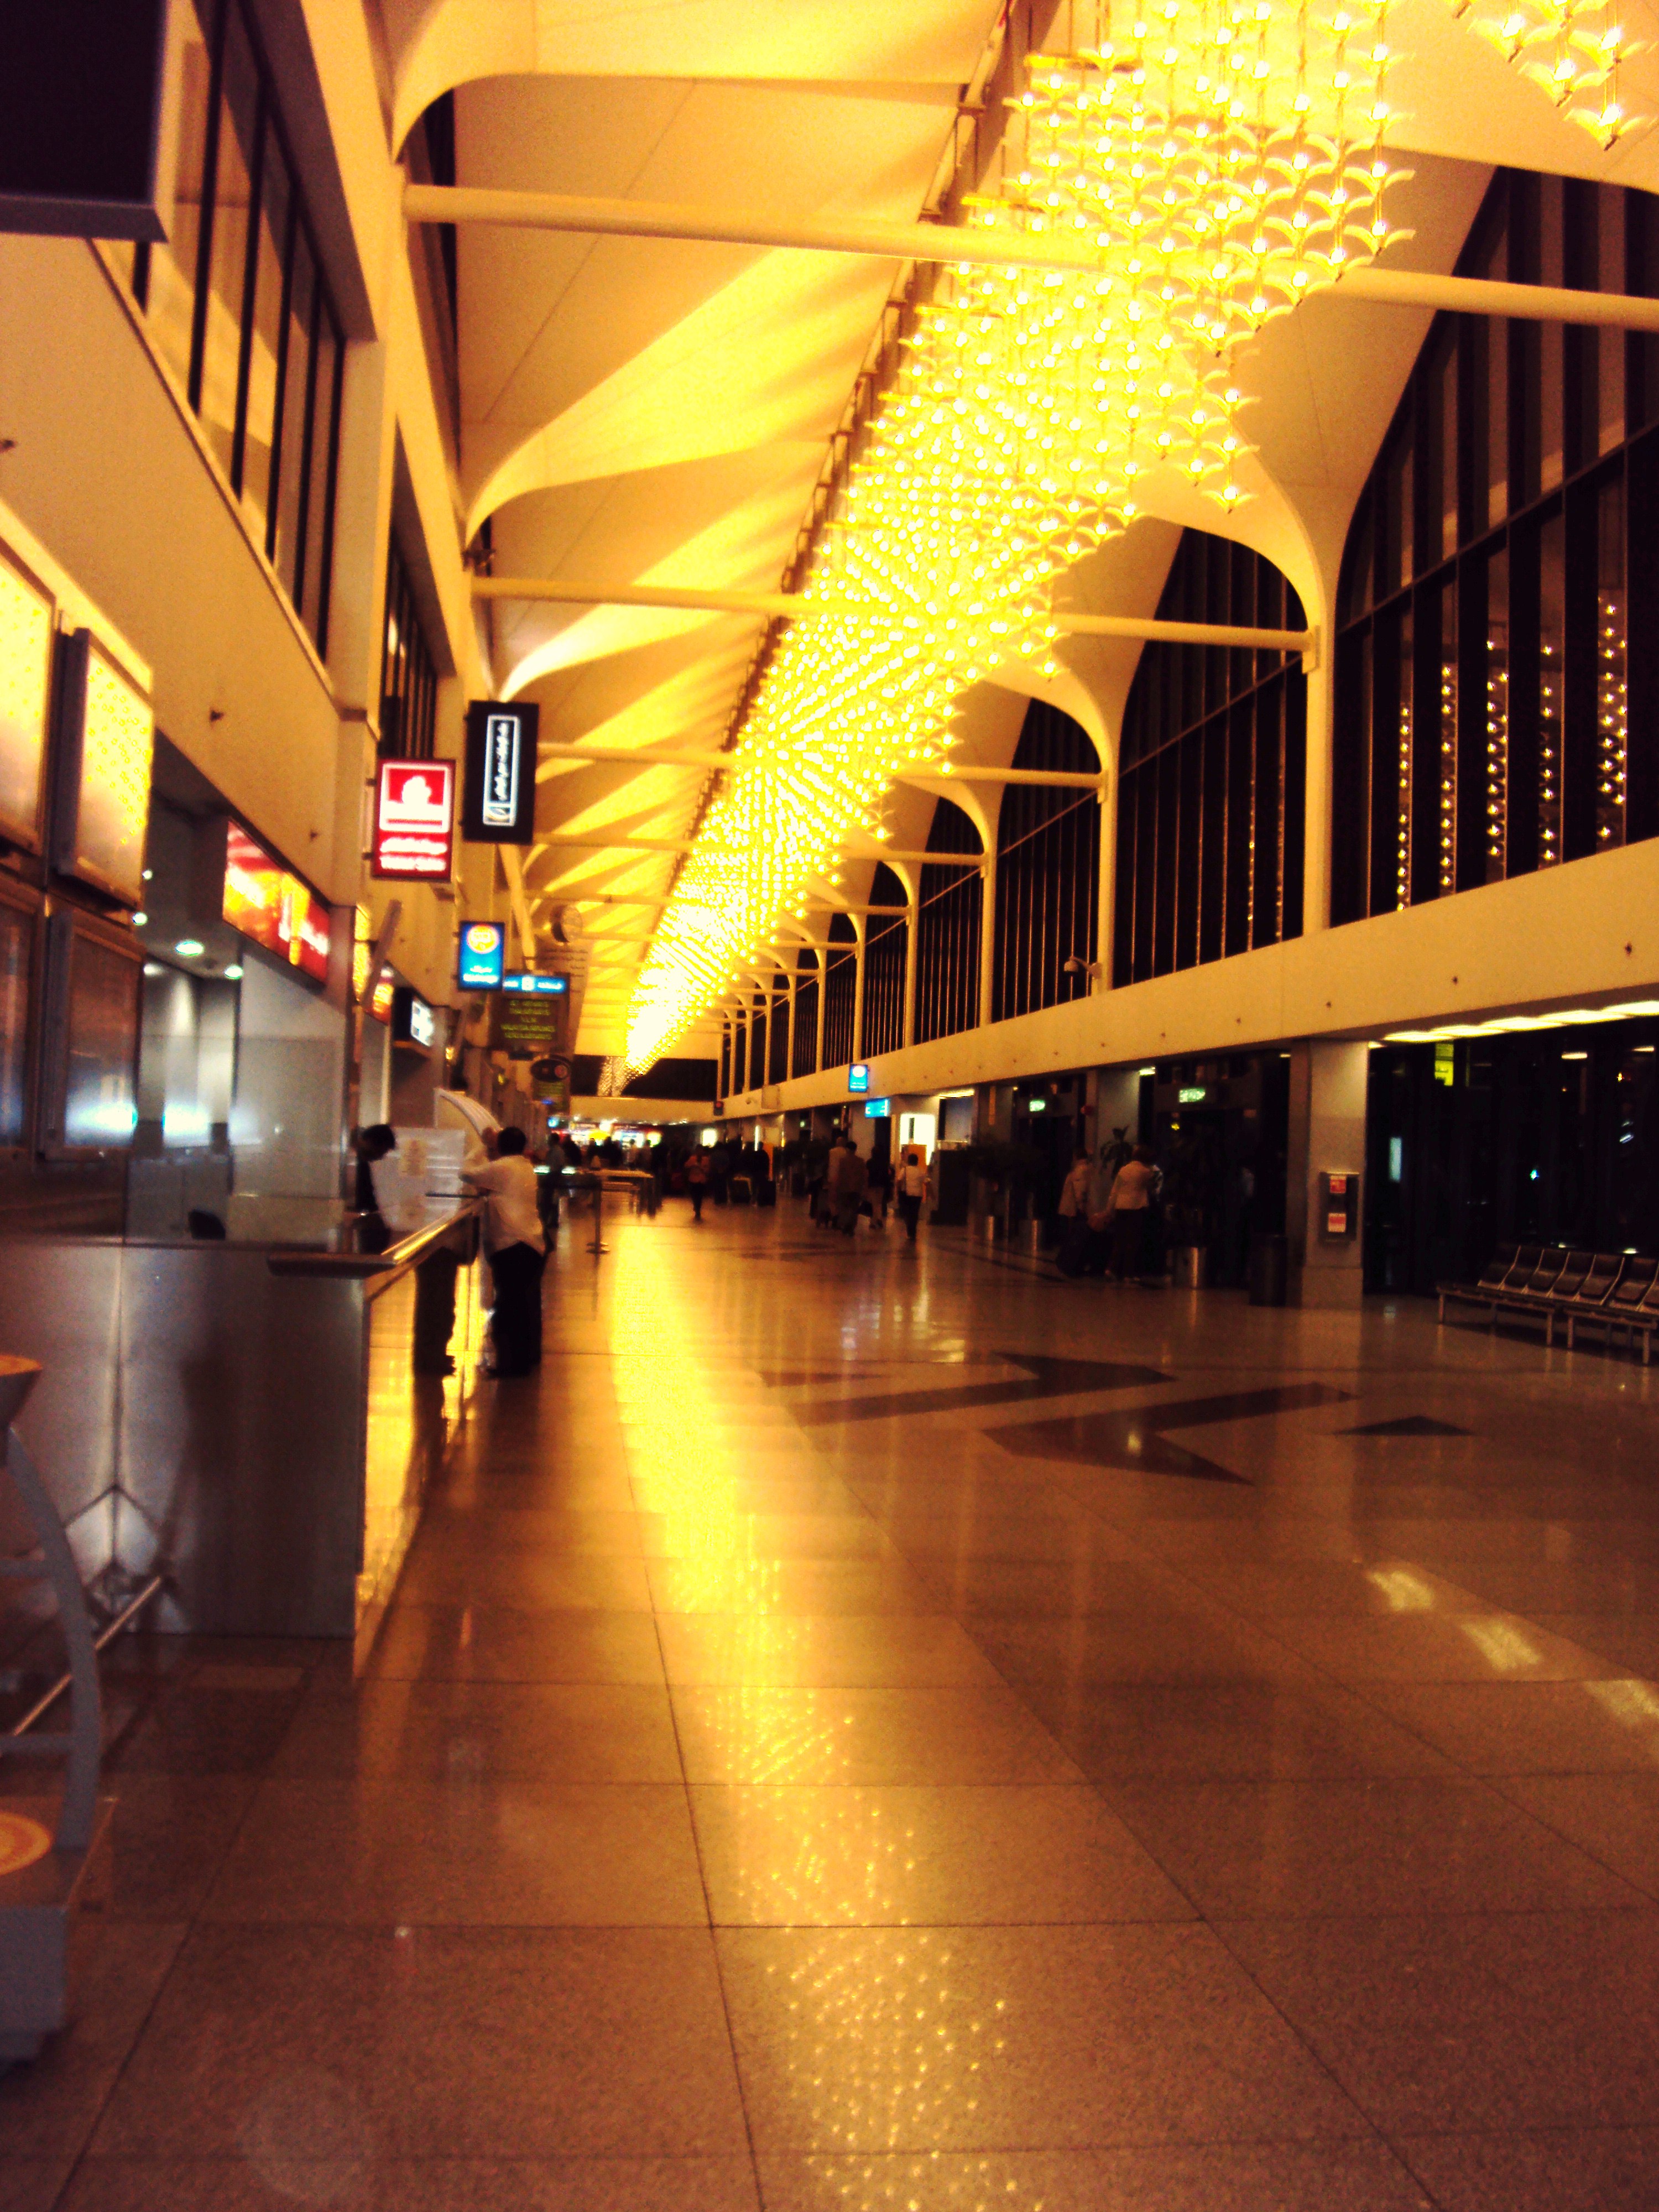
(858, 1078)
(484, 954)
(880, 1109)
(536, 987)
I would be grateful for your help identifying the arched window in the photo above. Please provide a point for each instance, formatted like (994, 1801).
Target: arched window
(1211, 774)
(1048, 870)
(806, 1014)
(1498, 646)
(777, 1032)
(947, 930)
(839, 990)
(886, 942)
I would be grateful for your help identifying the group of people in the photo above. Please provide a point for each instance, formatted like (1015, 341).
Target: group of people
(1106, 1210)
(850, 1183)
(499, 1171)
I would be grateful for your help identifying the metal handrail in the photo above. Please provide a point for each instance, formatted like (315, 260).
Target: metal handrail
(357, 1265)
(44, 1703)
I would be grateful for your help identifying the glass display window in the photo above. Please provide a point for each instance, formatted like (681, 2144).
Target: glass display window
(25, 649)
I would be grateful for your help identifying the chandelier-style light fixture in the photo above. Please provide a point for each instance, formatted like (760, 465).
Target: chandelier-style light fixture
(1573, 49)
(1224, 158)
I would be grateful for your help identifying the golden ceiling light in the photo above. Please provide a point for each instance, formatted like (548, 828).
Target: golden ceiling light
(1225, 158)
(1573, 49)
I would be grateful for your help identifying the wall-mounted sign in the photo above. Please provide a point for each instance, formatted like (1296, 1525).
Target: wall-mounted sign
(382, 999)
(551, 1076)
(528, 1026)
(536, 987)
(84, 122)
(879, 1109)
(483, 956)
(858, 1080)
(1338, 1207)
(499, 804)
(413, 821)
(105, 736)
(26, 634)
(274, 908)
(413, 1021)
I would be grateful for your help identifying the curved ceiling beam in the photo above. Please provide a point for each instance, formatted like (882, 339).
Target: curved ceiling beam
(933, 44)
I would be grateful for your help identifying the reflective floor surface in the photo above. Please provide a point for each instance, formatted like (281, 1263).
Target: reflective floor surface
(871, 1728)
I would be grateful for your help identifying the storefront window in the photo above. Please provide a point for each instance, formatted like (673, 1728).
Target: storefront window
(16, 932)
(99, 1104)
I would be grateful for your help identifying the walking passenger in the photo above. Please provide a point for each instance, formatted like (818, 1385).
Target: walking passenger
(912, 1187)
(1074, 1215)
(696, 1179)
(516, 1250)
(855, 1180)
(1133, 1191)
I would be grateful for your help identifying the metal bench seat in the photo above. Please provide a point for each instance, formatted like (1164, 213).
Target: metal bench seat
(1502, 1264)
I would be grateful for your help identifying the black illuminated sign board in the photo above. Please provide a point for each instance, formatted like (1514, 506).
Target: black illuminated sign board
(498, 804)
(86, 136)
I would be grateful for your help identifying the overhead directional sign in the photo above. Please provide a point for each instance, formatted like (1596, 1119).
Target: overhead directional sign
(498, 806)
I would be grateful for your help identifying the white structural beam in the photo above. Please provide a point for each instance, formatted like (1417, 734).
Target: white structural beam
(794, 606)
(688, 845)
(979, 246)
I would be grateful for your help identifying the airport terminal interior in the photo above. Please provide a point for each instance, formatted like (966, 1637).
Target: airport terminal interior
(828, 1132)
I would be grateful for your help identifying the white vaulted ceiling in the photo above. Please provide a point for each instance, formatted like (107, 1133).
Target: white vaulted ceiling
(649, 411)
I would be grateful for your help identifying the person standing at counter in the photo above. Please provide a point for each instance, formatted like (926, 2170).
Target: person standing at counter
(516, 1250)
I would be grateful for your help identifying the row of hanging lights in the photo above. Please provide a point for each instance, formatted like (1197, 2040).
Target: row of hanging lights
(1222, 160)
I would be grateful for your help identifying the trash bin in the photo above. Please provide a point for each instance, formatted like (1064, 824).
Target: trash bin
(1270, 1271)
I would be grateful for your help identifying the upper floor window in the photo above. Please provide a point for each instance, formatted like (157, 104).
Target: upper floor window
(1211, 774)
(1498, 666)
(408, 681)
(237, 306)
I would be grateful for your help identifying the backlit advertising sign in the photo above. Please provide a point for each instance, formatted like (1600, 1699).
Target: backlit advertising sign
(858, 1080)
(413, 821)
(498, 804)
(483, 956)
(413, 1021)
(274, 908)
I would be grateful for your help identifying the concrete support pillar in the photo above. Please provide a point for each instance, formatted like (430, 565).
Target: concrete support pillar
(1327, 1136)
(817, 1043)
(1317, 833)
(858, 992)
(789, 1040)
(988, 934)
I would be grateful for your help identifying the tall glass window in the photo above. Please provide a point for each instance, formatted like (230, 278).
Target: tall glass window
(408, 681)
(1212, 764)
(238, 309)
(1498, 702)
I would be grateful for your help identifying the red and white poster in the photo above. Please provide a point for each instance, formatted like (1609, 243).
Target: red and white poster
(413, 821)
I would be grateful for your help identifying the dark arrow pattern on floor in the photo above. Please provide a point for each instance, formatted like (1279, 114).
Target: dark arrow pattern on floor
(1411, 1424)
(1135, 1439)
(1045, 1378)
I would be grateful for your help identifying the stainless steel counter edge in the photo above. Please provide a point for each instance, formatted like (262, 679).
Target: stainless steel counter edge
(355, 1266)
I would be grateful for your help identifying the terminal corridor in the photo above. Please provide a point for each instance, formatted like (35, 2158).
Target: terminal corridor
(870, 1727)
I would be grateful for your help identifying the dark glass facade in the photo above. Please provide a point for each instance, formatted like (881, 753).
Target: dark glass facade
(237, 305)
(1047, 898)
(1498, 650)
(1212, 775)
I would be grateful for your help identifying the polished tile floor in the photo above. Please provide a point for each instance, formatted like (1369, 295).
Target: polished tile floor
(872, 1727)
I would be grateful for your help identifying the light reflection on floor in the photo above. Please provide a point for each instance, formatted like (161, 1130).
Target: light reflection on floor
(750, 1803)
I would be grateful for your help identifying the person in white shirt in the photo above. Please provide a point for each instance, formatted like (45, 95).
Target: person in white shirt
(912, 1187)
(516, 1250)
(1132, 1192)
